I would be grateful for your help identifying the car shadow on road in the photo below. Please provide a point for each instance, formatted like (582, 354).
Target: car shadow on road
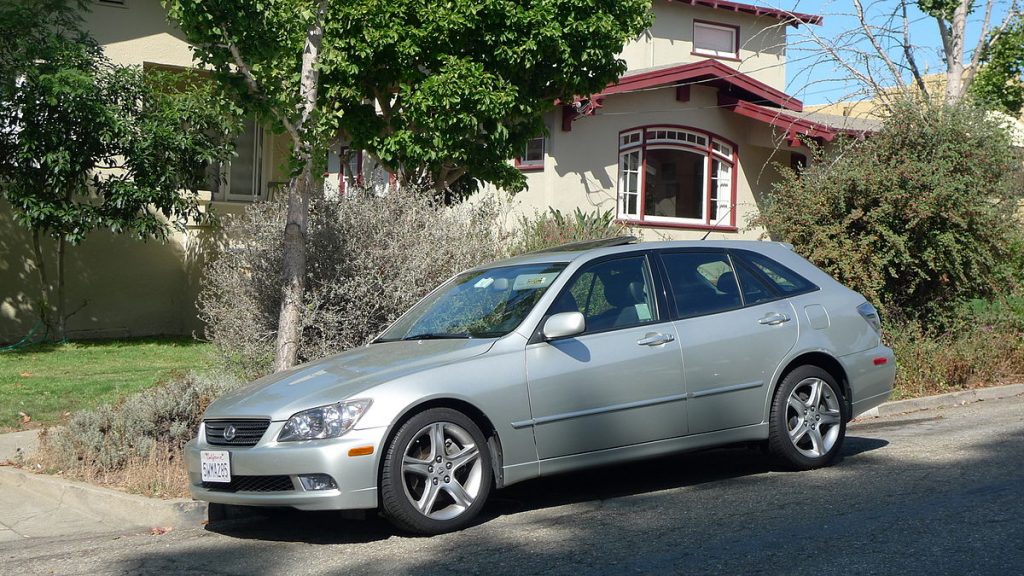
(621, 480)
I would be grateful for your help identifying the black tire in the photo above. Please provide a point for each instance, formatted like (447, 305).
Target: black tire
(804, 437)
(400, 487)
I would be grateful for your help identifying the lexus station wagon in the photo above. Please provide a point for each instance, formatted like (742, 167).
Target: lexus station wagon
(583, 355)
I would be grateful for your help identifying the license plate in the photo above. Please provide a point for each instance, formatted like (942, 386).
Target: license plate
(216, 465)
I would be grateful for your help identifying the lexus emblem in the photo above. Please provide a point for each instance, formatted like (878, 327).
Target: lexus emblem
(229, 433)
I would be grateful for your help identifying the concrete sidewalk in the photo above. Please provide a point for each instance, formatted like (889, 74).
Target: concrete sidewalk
(35, 505)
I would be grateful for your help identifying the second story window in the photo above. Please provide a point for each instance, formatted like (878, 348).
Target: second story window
(533, 155)
(718, 40)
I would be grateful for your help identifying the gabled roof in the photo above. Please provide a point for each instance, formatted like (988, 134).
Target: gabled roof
(708, 73)
(812, 125)
(792, 18)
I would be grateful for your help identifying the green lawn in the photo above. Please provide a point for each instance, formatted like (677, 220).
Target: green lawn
(47, 380)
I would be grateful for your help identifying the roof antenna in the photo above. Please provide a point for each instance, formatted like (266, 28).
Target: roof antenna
(717, 222)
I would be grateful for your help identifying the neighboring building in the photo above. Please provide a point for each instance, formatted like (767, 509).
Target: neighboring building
(686, 142)
(682, 145)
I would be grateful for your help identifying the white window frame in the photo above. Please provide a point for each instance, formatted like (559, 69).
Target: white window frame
(258, 176)
(732, 30)
(537, 164)
(636, 143)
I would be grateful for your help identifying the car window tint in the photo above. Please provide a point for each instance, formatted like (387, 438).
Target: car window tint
(754, 290)
(786, 280)
(701, 282)
(610, 294)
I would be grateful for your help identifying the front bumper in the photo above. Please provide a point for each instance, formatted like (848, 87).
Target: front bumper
(870, 383)
(355, 476)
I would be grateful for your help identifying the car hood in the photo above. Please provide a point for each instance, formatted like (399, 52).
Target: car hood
(338, 377)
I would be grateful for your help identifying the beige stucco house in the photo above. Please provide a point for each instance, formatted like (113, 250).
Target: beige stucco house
(683, 145)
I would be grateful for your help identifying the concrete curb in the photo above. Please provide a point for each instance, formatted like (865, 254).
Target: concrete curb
(944, 400)
(113, 507)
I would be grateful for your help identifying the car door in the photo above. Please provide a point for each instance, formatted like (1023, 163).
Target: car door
(620, 381)
(733, 330)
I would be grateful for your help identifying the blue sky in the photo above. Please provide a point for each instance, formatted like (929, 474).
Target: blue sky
(813, 79)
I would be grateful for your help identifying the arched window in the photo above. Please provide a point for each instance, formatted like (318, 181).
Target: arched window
(676, 176)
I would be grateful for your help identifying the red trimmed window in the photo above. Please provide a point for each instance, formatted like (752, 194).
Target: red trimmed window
(533, 155)
(351, 175)
(676, 176)
(717, 40)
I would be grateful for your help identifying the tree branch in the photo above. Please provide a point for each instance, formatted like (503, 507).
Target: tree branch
(254, 88)
(874, 41)
(908, 52)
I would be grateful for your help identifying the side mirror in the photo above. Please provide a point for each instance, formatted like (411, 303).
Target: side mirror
(564, 324)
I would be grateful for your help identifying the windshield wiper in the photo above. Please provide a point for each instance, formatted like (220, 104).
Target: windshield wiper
(436, 336)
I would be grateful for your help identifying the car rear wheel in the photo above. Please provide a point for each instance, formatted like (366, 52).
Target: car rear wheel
(437, 473)
(808, 419)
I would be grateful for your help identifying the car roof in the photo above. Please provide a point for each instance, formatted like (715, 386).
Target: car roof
(569, 252)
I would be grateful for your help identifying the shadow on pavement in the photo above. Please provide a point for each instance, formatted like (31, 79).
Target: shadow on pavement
(691, 469)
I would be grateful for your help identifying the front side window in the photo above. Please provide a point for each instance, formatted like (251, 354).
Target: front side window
(674, 175)
(476, 304)
(610, 294)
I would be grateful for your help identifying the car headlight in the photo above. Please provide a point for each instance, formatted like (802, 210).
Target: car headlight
(328, 421)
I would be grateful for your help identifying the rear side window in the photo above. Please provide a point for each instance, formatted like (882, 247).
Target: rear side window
(701, 282)
(783, 279)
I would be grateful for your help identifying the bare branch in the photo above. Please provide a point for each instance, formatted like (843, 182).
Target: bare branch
(874, 41)
(908, 52)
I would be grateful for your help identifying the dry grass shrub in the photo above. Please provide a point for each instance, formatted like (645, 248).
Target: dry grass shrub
(136, 443)
(984, 347)
(369, 258)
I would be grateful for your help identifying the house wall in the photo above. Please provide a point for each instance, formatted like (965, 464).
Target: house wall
(669, 41)
(581, 166)
(121, 286)
(117, 286)
(138, 33)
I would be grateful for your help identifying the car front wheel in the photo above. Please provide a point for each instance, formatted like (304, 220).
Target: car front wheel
(808, 420)
(437, 473)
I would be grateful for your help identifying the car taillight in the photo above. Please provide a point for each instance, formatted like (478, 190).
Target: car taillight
(870, 315)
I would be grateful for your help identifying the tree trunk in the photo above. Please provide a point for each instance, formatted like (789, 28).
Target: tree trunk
(44, 282)
(293, 286)
(955, 53)
(289, 323)
(61, 316)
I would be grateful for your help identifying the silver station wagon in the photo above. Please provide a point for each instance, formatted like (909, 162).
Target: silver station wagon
(584, 355)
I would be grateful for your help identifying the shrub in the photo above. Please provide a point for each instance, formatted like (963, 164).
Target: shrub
(552, 228)
(369, 258)
(149, 428)
(919, 217)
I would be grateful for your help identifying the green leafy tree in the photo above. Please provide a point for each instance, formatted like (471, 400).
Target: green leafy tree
(435, 92)
(999, 83)
(88, 145)
(920, 217)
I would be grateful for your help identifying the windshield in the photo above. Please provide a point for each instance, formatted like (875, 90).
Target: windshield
(477, 304)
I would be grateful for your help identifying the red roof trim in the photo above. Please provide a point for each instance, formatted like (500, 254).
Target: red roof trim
(792, 125)
(791, 18)
(710, 72)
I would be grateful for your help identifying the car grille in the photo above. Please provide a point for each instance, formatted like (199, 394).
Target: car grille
(247, 432)
(253, 484)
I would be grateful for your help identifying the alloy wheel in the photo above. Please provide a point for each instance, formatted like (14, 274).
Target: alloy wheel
(442, 470)
(813, 417)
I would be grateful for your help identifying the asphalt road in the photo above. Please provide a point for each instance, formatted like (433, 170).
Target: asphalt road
(937, 492)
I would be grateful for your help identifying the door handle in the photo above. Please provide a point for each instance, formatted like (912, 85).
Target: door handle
(773, 319)
(655, 339)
